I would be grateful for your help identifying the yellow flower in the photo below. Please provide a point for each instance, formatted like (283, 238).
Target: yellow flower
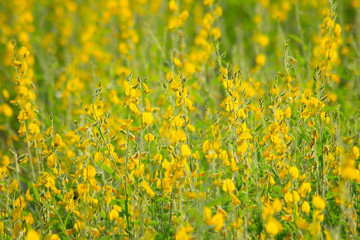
(305, 207)
(179, 121)
(79, 225)
(99, 108)
(6, 110)
(13, 186)
(241, 113)
(34, 128)
(304, 189)
(325, 117)
(356, 152)
(89, 172)
(32, 235)
(216, 33)
(113, 215)
(49, 131)
(208, 2)
(20, 202)
(5, 94)
(149, 137)
(57, 141)
(260, 59)
(175, 84)
(173, 6)
(261, 39)
(51, 160)
(228, 186)
(190, 68)
(294, 172)
(277, 205)
(349, 172)
(169, 76)
(302, 224)
(146, 89)
(185, 150)
(245, 136)
(139, 171)
(315, 228)
(318, 202)
(183, 232)
(279, 114)
(337, 30)
(5, 161)
(296, 196)
(267, 212)
(29, 219)
(24, 52)
(218, 221)
(238, 223)
(147, 188)
(234, 199)
(242, 146)
(28, 196)
(177, 62)
(52, 237)
(271, 181)
(287, 112)
(318, 216)
(82, 189)
(134, 109)
(147, 118)
(157, 159)
(206, 214)
(22, 116)
(289, 198)
(273, 227)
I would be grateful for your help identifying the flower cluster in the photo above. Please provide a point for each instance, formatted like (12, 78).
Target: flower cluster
(179, 119)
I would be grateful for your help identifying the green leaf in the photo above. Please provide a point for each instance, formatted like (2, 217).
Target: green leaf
(103, 214)
(295, 38)
(220, 200)
(67, 218)
(277, 189)
(109, 171)
(59, 197)
(329, 195)
(31, 186)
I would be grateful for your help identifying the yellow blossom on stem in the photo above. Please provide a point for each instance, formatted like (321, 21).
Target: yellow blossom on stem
(273, 227)
(147, 118)
(228, 186)
(185, 150)
(32, 235)
(260, 59)
(149, 137)
(294, 172)
(57, 141)
(318, 202)
(305, 207)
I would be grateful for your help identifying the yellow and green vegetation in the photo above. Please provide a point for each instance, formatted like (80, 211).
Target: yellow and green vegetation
(179, 119)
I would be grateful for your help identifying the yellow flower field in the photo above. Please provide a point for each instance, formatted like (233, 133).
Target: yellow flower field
(179, 119)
